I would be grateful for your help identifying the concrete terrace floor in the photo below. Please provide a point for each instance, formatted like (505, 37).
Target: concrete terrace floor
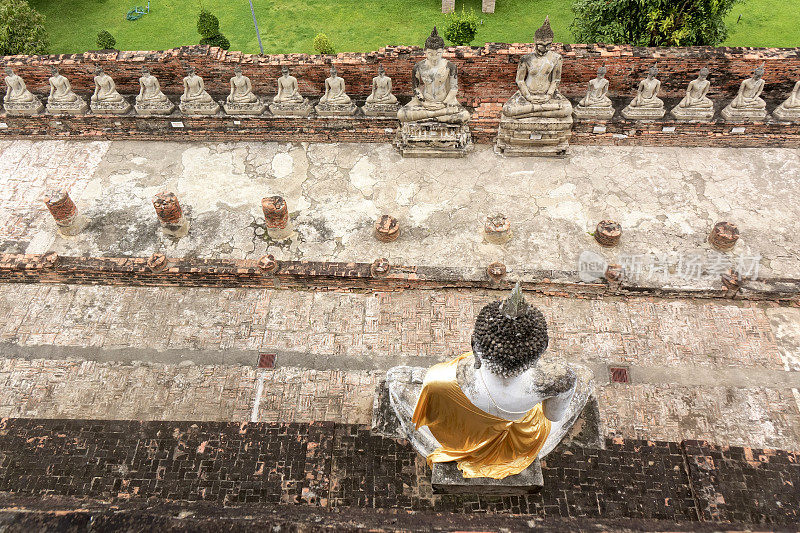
(724, 371)
(666, 199)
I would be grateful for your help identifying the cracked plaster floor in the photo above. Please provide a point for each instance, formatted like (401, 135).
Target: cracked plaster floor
(666, 199)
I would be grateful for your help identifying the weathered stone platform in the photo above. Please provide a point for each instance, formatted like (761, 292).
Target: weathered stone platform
(547, 137)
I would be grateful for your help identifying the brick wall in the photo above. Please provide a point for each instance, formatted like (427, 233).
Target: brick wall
(327, 465)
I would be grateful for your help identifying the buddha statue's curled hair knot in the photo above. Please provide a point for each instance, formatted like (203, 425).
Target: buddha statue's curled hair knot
(510, 335)
(545, 33)
(434, 41)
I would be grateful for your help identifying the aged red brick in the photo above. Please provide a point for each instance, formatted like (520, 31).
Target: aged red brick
(723, 236)
(157, 262)
(614, 272)
(268, 264)
(380, 267)
(387, 228)
(168, 208)
(732, 281)
(61, 207)
(496, 271)
(276, 212)
(607, 233)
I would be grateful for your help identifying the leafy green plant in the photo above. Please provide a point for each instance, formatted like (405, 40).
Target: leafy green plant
(651, 22)
(208, 28)
(21, 29)
(461, 28)
(105, 41)
(323, 45)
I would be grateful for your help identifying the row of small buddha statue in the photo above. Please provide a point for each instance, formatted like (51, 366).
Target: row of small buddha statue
(195, 100)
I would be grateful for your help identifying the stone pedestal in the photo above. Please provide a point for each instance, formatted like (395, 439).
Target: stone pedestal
(786, 114)
(110, 108)
(199, 108)
(643, 113)
(691, 114)
(336, 110)
(534, 136)
(433, 139)
(285, 109)
(593, 113)
(78, 107)
(733, 114)
(154, 108)
(446, 478)
(381, 110)
(239, 108)
(28, 108)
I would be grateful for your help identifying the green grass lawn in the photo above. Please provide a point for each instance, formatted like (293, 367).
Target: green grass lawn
(352, 25)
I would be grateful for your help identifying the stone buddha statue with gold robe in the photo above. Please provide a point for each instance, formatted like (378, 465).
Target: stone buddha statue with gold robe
(497, 409)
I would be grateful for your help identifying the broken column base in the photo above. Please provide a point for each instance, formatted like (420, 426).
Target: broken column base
(74, 226)
(433, 139)
(544, 137)
(176, 229)
(446, 478)
(280, 234)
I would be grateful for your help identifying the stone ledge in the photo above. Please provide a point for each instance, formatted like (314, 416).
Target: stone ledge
(188, 272)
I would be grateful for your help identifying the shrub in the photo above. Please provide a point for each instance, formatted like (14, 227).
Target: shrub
(21, 29)
(323, 45)
(461, 27)
(208, 28)
(651, 22)
(105, 41)
(207, 24)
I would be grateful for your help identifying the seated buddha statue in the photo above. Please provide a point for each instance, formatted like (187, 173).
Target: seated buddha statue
(289, 101)
(381, 101)
(646, 105)
(596, 104)
(748, 104)
(195, 100)
(789, 110)
(498, 408)
(62, 99)
(106, 98)
(435, 84)
(335, 100)
(18, 100)
(538, 77)
(696, 106)
(241, 100)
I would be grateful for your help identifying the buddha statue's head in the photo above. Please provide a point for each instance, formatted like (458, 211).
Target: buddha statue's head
(543, 37)
(381, 72)
(434, 46)
(9, 72)
(757, 73)
(54, 70)
(189, 70)
(652, 72)
(601, 72)
(237, 70)
(703, 74)
(510, 335)
(285, 70)
(145, 71)
(333, 71)
(98, 70)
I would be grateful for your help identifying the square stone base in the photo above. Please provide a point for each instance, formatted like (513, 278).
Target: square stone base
(786, 115)
(643, 113)
(690, 115)
(593, 113)
(252, 108)
(77, 108)
(302, 109)
(150, 109)
(325, 110)
(446, 478)
(546, 137)
(381, 110)
(32, 108)
(117, 108)
(433, 139)
(744, 115)
(209, 108)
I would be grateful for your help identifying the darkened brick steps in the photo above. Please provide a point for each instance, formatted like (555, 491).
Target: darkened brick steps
(328, 474)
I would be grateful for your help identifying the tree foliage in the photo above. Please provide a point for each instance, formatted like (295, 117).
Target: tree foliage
(208, 28)
(21, 29)
(105, 41)
(651, 22)
(461, 27)
(323, 45)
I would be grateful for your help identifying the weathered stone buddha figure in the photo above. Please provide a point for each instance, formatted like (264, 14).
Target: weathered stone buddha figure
(335, 101)
(195, 100)
(497, 409)
(435, 84)
(596, 104)
(789, 110)
(537, 119)
(538, 77)
(381, 101)
(18, 99)
(105, 98)
(646, 105)
(289, 101)
(748, 104)
(696, 106)
(150, 100)
(62, 100)
(241, 100)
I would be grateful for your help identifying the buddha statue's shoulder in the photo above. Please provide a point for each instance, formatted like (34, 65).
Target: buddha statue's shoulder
(551, 378)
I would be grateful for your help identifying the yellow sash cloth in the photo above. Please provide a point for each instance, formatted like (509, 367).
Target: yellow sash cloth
(483, 445)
